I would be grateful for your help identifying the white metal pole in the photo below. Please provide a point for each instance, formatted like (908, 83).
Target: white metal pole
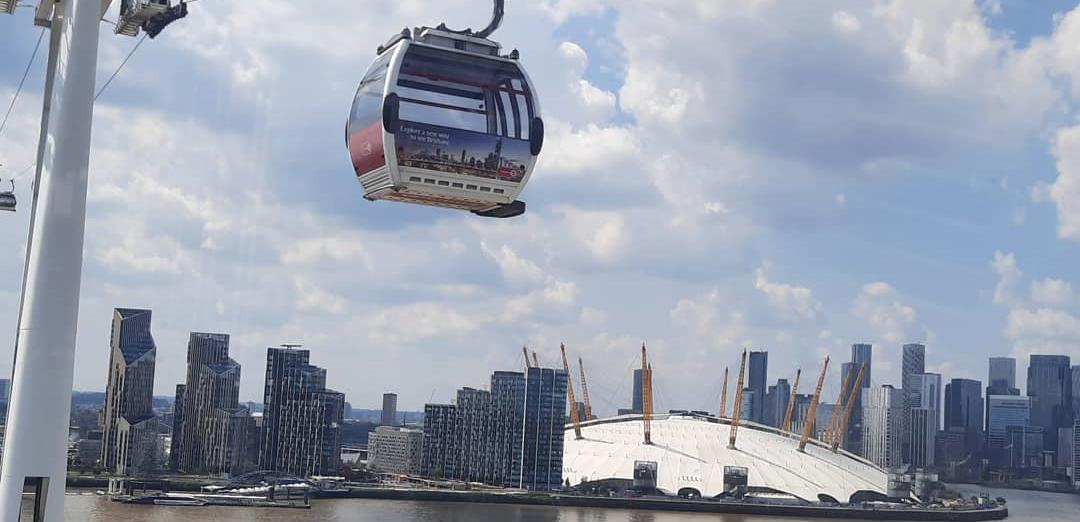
(37, 428)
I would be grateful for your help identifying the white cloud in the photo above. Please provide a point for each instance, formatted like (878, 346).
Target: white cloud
(1008, 276)
(603, 234)
(1053, 292)
(1043, 323)
(707, 317)
(418, 321)
(311, 297)
(311, 251)
(791, 301)
(1065, 191)
(844, 22)
(879, 306)
(513, 267)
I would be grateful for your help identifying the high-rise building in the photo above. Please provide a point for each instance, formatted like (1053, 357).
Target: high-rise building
(861, 354)
(883, 409)
(1024, 446)
(175, 444)
(389, 409)
(964, 405)
(749, 399)
(1004, 412)
(507, 404)
(1002, 376)
(1064, 449)
(542, 447)
(776, 402)
(211, 396)
(1076, 391)
(758, 377)
(140, 451)
(925, 418)
(130, 390)
(637, 406)
(394, 449)
(964, 412)
(439, 456)
(913, 363)
(509, 436)
(1049, 384)
(302, 418)
(1076, 453)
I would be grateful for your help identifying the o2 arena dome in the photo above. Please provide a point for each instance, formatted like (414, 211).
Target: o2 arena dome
(691, 455)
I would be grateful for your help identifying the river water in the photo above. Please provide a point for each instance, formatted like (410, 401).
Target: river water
(1023, 506)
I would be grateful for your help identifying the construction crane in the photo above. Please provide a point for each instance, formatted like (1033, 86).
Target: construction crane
(737, 407)
(724, 395)
(646, 394)
(786, 425)
(808, 424)
(847, 410)
(570, 395)
(525, 352)
(585, 391)
(838, 408)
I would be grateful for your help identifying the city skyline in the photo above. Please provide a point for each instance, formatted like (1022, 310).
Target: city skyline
(757, 365)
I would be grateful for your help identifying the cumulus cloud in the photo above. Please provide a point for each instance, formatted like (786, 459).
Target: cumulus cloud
(879, 306)
(1054, 292)
(792, 301)
(1065, 191)
(1008, 276)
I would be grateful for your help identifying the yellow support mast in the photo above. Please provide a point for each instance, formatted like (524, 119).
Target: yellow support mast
(570, 394)
(646, 395)
(737, 407)
(808, 424)
(838, 408)
(786, 426)
(585, 391)
(847, 410)
(723, 396)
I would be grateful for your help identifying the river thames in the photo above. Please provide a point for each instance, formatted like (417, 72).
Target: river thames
(1023, 506)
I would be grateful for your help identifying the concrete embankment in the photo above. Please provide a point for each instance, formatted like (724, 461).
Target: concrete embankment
(664, 504)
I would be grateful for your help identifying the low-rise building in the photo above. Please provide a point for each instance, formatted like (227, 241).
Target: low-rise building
(393, 449)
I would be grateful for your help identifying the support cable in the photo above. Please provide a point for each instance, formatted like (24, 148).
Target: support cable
(118, 69)
(41, 36)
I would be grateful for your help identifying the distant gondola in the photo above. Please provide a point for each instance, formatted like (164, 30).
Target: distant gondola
(461, 120)
(7, 198)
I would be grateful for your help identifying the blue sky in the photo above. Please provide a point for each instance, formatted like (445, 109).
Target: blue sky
(789, 176)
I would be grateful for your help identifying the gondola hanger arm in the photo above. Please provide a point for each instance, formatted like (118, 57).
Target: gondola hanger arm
(496, 21)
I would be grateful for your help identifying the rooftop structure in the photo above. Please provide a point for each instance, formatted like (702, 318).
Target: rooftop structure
(691, 451)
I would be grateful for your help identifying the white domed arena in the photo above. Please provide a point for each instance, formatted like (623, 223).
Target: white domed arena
(691, 453)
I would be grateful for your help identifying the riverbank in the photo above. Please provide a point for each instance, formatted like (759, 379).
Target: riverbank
(879, 512)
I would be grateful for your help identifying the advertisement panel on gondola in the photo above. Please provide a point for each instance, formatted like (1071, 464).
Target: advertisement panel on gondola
(459, 151)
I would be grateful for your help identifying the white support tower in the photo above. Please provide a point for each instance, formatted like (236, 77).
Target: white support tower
(37, 422)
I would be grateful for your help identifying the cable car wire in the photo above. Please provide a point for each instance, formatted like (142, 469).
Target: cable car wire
(118, 69)
(41, 36)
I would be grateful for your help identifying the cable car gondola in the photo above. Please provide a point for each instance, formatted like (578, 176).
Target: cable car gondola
(461, 120)
(7, 198)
